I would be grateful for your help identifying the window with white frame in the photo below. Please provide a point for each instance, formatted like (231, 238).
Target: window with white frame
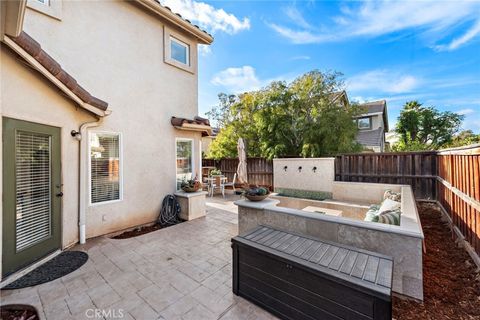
(44, 2)
(105, 167)
(179, 51)
(184, 160)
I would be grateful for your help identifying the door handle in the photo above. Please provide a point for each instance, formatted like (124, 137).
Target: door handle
(60, 194)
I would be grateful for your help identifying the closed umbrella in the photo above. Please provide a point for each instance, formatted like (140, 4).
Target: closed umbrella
(242, 162)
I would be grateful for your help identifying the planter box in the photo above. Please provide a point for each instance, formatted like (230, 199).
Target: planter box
(192, 204)
(299, 277)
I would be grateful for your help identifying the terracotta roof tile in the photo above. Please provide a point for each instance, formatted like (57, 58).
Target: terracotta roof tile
(180, 16)
(34, 49)
(179, 122)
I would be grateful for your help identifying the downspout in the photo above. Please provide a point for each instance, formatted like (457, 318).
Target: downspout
(82, 172)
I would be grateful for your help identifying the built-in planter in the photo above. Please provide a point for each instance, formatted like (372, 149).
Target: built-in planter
(192, 204)
(403, 243)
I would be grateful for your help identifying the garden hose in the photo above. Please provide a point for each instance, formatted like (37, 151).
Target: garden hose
(169, 214)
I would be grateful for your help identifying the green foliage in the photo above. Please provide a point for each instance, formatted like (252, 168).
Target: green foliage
(298, 119)
(425, 128)
(464, 138)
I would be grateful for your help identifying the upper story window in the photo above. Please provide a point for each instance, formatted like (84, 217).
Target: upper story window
(179, 51)
(44, 2)
(364, 123)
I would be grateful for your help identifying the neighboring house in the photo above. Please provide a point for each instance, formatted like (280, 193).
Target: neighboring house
(207, 140)
(76, 166)
(372, 125)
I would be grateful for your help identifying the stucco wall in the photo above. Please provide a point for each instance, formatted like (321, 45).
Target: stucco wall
(306, 179)
(114, 49)
(26, 95)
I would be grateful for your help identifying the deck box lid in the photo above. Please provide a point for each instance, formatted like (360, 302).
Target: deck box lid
(368, 271)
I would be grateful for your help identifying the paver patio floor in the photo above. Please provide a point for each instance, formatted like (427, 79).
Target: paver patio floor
(181, 272)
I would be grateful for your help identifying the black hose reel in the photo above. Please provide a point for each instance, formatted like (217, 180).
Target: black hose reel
(169, 214)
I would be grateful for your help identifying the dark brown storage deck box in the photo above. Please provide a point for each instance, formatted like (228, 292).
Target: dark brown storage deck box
(300, 277)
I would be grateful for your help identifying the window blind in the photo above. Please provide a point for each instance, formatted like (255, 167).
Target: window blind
(104, 167)
(33, 188)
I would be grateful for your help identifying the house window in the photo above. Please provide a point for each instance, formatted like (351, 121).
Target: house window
(179, 51)
(44, 2)
(105, 167)
(364, 123)
(184, 160)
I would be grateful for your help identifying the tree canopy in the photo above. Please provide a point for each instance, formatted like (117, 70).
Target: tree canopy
(425, 128)
(296, 119)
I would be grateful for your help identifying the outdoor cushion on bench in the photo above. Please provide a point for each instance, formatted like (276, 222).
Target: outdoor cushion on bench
(299, 277)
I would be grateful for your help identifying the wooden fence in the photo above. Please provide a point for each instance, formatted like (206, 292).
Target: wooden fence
(459, 191)
(418, 169)
(451, 177)
(259, 170)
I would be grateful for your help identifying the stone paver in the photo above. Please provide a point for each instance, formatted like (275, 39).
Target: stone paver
(181, 272)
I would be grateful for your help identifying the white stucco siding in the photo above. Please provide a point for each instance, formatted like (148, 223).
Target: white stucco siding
(26, 95)
(115, 50)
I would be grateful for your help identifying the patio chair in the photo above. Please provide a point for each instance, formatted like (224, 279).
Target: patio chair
(216, 184)
(231, 184)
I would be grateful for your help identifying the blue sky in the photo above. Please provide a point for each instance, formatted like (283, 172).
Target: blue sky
(398, 51)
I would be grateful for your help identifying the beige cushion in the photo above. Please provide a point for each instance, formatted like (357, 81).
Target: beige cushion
(388, 204)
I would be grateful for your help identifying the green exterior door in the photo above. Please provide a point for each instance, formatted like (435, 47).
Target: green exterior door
(31, 193)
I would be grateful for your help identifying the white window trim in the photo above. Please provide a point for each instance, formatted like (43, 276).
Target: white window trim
(120, 168)
(187, 49)
(53, 8)
(168, 34)
(193, 158)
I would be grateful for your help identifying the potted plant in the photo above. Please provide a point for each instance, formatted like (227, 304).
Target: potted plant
(192, 185)
(215, 172)
(256, 193)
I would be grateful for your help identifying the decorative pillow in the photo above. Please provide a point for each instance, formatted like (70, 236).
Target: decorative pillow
(372, 213)
(389, 217)
(395, 196)
(389, 204)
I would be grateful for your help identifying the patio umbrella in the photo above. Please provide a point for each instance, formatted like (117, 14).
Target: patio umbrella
(242, 162)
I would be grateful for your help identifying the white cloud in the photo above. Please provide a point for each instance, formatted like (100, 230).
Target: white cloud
(300, 36)
(204, 50)
(383, 81)
(436, 19)
(297, 17)
(458, 42)
(208, 17)
(301, 58)
(238, 80)
(465, 111)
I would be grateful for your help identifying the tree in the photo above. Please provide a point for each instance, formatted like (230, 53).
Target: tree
(425, 128)
(296, 119)
(464, 138)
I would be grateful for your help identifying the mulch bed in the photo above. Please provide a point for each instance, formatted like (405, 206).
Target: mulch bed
(138, 231)
(18, 312)
(451, 282)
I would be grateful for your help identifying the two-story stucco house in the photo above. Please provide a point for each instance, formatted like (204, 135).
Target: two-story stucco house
(372, 126)
(75, 166)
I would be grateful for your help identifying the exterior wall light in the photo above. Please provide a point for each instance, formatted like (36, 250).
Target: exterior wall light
(314, 169)
(77, 135)
(285, 168)
(300, 169)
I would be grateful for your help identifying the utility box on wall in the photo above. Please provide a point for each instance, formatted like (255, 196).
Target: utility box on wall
(310, 178)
